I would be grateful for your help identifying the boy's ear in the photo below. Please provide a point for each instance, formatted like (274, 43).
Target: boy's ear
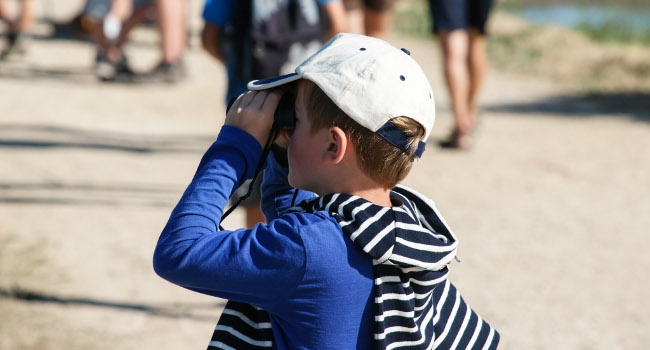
(337, 144)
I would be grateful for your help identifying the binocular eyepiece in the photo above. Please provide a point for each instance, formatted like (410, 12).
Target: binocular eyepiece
(284, 116)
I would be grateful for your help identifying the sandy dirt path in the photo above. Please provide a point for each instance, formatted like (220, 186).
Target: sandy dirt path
(551, 207)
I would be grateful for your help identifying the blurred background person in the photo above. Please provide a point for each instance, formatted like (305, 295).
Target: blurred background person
(111, 21)
(17, 26)
(257, 39)
(460, 26)
(171, 16)
(370, 17)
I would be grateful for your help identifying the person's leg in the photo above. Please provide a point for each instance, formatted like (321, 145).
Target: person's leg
(479, 12)
(354, 14)
(4, 13)
(138, 16)
(378, 17)
(17, 26)
(377, 23)
(355, 21)
(173, 42)
(23, 21)
(129, 15)
(94, 13)
(26, 18)
(173, 30)
(113, 20)
(455, 48)
(121, 9)
(450, 23)
(477, 69)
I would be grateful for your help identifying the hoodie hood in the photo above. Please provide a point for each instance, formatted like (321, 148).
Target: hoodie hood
(410, 235)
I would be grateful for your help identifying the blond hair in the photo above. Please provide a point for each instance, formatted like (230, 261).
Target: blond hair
(381, 161)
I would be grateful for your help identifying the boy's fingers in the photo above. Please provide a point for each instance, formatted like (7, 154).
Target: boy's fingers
(259, 100)
(247, 97)
(236, 103)
(272, 100)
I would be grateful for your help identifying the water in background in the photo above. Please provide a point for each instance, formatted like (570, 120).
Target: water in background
(571, 15)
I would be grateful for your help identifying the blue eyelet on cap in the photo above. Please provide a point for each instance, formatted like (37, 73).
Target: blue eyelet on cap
(402, 78)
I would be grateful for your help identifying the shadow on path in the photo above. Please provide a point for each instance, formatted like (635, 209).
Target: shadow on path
(199, 312)
(31, 72)
(93, 194)
(635, 105)
(47, 136)
(57, 193)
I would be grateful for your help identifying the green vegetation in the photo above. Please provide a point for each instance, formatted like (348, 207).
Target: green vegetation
(412, 18)
(507, 51)
(615, 32)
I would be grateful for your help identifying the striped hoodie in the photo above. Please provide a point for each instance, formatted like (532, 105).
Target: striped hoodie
(416, 307)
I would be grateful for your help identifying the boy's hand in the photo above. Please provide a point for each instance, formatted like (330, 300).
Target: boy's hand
(253, 112)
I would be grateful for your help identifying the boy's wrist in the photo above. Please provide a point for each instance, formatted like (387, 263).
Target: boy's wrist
(245, 144)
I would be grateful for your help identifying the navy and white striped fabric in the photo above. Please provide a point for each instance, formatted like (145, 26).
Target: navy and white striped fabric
(416, 307)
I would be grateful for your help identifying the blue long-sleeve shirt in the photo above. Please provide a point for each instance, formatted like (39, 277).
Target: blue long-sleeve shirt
(316, 286)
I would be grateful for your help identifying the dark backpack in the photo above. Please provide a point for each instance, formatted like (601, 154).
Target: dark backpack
(270, 38)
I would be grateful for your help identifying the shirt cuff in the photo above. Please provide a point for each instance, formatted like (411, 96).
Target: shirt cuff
(246, 145)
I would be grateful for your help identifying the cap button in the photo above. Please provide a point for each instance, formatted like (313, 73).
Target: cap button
(406, 51)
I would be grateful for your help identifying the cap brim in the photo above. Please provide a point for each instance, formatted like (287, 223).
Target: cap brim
(270, 83)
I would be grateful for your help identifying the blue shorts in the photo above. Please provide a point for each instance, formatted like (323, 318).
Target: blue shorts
(449, 15)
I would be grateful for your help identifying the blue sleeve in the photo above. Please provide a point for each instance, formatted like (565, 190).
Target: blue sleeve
(260, 265)
(277, 194)
(218, 12)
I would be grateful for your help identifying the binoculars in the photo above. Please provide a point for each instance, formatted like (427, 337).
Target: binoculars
(285, 115)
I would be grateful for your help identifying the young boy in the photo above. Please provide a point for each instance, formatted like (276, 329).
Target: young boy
(363, 265)
(257, 39)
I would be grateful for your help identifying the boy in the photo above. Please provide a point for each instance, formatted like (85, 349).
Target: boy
(359, 267)
(257, 39)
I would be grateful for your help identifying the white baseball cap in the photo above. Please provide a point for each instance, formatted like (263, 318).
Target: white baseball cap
(371, 81)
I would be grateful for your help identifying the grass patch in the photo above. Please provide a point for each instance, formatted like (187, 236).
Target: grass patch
(507, 51)
(612, 31)
(412, 18)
